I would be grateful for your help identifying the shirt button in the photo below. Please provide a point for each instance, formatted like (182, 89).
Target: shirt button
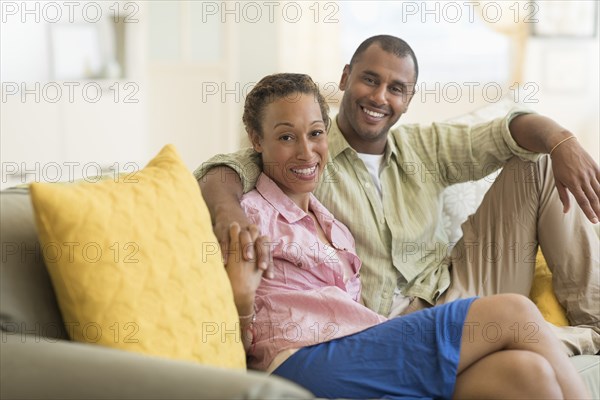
(299, 265)
(382, 221)
(367, 185)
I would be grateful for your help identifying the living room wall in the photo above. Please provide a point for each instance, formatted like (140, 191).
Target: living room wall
(177, 71)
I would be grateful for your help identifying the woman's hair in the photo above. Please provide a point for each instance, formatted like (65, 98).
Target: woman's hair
(277, 86)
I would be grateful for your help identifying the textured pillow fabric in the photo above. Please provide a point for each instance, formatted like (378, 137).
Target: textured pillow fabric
(135, 265)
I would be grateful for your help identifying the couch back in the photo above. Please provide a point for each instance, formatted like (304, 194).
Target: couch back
(28, 305)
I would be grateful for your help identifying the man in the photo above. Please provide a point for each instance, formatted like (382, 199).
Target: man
(384, 184)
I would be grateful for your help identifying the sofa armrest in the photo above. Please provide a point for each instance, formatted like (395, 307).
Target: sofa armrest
(36, 367)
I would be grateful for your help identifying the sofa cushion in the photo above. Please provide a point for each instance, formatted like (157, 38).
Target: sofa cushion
(27, 301)
(135, 264)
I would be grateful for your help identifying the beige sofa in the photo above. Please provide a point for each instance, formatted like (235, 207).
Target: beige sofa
(37, 360)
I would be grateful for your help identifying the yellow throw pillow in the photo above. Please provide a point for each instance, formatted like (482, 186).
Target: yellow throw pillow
(135, 265)
(542, 293)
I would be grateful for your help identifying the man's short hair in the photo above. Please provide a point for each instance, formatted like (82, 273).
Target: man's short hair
(390, 44)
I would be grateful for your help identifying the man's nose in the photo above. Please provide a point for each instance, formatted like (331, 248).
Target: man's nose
(378, 94)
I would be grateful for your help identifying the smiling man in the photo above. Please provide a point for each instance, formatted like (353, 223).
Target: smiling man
(384, 182)
(376, 94)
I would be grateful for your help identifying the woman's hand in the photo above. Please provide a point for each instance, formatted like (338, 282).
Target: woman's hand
(222, 192)
(244, 274)
(255, 248)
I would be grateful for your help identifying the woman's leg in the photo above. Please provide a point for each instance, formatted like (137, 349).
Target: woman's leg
(508, 374)
(415, 356)
(509, 351)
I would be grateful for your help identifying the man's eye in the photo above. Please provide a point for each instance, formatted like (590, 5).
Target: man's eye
(285, 138)
(369, 80)
(317, 133)
(397, 89)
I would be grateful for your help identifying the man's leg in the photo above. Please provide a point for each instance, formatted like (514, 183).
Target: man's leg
(572, 251)
(497, 251)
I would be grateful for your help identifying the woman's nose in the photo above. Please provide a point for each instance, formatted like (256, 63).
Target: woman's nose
(304, 149)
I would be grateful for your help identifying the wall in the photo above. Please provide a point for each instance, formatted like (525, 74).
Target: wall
(566, 71)
(75, 116)
(189, 64)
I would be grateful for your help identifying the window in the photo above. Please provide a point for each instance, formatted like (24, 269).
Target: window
(453, 43)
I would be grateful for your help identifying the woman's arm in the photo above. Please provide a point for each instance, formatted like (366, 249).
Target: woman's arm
(245, 277)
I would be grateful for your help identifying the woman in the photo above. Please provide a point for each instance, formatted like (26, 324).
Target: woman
(307, 324)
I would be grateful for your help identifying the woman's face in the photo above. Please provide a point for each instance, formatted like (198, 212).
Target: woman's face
(293, 143)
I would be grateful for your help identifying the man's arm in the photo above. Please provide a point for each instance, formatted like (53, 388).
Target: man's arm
(222, 192)
(574, 169)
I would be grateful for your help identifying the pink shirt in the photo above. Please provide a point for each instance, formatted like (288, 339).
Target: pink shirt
(308, 301)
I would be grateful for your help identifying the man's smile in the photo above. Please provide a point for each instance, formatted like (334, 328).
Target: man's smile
(371, 113)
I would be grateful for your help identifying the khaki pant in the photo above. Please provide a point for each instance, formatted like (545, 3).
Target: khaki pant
(497, 251)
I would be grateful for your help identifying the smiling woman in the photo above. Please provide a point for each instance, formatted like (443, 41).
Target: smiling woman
(287, 119)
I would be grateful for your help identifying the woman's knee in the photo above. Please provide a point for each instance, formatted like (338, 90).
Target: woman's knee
(531, 373)
(513, 308)
(514, 318)
(515, 374)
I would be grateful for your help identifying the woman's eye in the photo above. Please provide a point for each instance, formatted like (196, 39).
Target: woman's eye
(317, 133)
(285, 138)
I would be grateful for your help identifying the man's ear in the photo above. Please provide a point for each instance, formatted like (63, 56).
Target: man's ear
(255, 140)
(410, 97)
(412, 90)
(344, 79)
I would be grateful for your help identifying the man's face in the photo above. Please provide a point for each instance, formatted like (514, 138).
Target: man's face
(377, 91)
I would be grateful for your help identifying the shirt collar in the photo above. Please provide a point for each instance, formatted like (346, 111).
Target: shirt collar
(338, 143)
(289, 210)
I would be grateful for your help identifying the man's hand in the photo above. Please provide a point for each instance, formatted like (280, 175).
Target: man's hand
(576, 171)
(222, 192)
(243, 274)
(253, 247)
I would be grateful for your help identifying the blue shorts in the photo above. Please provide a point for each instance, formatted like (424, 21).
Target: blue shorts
(410, 357)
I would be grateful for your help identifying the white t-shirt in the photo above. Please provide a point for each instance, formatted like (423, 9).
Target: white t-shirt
(373, 162)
